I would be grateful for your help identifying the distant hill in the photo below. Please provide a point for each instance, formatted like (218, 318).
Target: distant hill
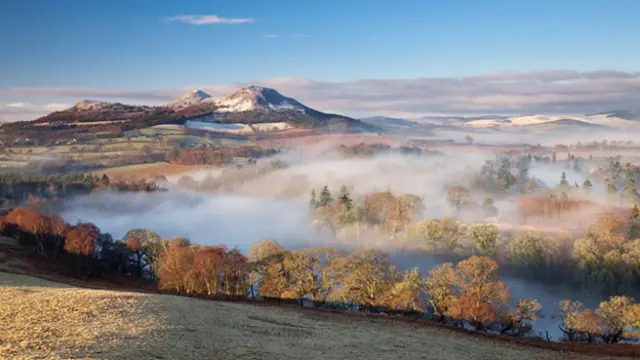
(249, 105)
(397, 125)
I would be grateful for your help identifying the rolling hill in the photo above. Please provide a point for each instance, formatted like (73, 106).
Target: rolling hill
(45, 319)
(249, 105)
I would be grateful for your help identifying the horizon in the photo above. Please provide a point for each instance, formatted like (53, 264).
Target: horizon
(360, 59)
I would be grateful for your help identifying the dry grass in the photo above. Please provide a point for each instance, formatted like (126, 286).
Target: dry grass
(45, 320)
(48, 320)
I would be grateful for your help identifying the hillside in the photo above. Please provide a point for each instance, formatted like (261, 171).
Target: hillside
(249, 105)
(47, 319)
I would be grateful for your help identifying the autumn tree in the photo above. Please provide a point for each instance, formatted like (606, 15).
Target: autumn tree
(487, 237)
(80, 243)
(577, 324)
(176, 268)
(366, 277)
(439, 235)
(439, 286)
(530, 249)
(616, 319)
(406, 293)
(260, 255)
(146, 246)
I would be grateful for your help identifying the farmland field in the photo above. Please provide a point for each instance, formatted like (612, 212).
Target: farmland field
(141, 171)
(48, 320)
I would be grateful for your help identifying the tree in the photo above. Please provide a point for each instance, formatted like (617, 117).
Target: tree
(630, 193)
(406, 293)
(578, 324)
(530, 249)
(468, 139)
(325, 197)
(469, 307)
(135, 246)
(345, 199)
(80, 242)
(439, 286)
(146, 246)
(456, 195)
(553, 158)
(366, 277)
(563, 179)
(472, 292)
(519, 320)
(587, 185)
(176, 268)
(634, 223)
(401, 211)
(313, 203)
(614, 318)
(260, 256)
(487, 237)
(439, 236)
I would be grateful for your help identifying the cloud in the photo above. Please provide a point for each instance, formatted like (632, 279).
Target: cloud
(271, 36)
(84, 93)
(504, 93)
(207, 19)
(19, 111)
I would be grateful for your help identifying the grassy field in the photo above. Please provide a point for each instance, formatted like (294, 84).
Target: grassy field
(42, 319)
(145, 171)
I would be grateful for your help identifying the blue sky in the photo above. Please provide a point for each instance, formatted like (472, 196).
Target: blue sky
(143, 46)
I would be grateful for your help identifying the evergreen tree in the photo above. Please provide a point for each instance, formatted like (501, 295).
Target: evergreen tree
(325, 197)
(563, 179)
(587, 185)
(313, 203)
(345, 199)
(553, 158)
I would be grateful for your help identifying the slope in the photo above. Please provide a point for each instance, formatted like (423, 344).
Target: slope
(43, 319)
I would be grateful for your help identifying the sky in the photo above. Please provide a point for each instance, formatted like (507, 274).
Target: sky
(376, 57)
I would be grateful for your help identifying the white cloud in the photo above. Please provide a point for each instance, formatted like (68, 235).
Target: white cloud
(19, 111)
(208, 19)
(271, 36)
(56, 106)
(504, 93)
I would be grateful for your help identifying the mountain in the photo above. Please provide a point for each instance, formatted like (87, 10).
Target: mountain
(541, 122)
(257, 98)
(87, 111)
(248, 105)
(191, 98)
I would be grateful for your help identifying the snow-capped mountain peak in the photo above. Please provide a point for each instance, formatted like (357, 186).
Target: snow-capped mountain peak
(191, 98)
(254, 97)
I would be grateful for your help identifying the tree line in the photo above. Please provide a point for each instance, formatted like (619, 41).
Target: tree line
(18, 189)
(469, 294)
(604, 260)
